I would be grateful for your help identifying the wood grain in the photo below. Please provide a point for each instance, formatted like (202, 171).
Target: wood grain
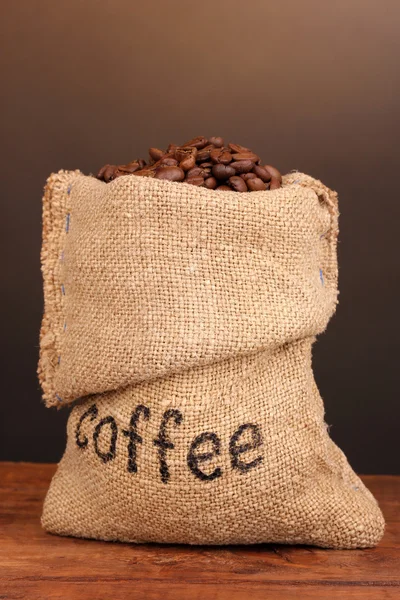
(34, 564)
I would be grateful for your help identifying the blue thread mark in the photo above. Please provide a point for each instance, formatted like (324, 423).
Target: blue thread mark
(63, 289)
(321, 276)
(67, 219)
(297, 181)
(59, 359)
(59, 398)
(62, 256)
(65, 326)
(69, 189)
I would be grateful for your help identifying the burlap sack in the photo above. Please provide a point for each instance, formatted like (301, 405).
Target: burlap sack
(181, 320)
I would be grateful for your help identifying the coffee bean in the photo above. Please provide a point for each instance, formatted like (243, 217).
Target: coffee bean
(181, 153)
(246, 156)
(215, 154)
(169, 161)
(210, 183)
(100, 174)
(204, 165)
(218, 142)
(220, 156)
(131, 167)
(204, 153)
(197, 142)
(242, 166)
(262, 173)
(222, 171)
(223, 188)
(188, 162)
(171, 148)
(247, 176)
(238, 184)
(256, 184)
(275, 183)
(120, 173)
(156, 153)
(145, 173)
(238, 149)
(195, 180)
(142, 163)
(273, 172)
(108, 174)
(194, 171)
(170, 173)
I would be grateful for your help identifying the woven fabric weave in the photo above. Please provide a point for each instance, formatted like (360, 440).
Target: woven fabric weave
(180, 321)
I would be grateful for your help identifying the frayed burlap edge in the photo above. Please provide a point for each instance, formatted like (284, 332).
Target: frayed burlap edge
(54, 215)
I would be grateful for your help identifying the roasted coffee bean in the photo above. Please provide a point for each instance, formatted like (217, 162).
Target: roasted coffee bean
(199, 171)
(142, 163)
(220, 156)
(204, 153)
(262, 173)
(215, 154)
(238, 149)
(223, 188)
(145, 173)
(169, 161)
(100, 174)
(188, 162)
(171, 148)
(195, 180)
(247, 176)
(210, 183)
(108, 174)
(205, 165)
(118, 173)
(237, 184)
(256, 184)
(181, 153)
(156, 153)
(198, 142)
(218, 142)
(194, 171)
(246, 156)
(273, 172)
(170, 173)
(222, 171)
(242, 166)
(131, 167)
(275, 183)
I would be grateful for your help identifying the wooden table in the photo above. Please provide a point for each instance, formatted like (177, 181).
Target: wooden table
(35, 565)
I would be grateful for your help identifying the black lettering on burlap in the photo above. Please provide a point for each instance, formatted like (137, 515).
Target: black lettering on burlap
(92, 412)
(163, 443)
(134, 437)
(236, 449)
(106, 456)
(194, 458)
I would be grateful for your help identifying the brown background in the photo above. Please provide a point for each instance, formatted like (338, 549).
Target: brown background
(309, 85)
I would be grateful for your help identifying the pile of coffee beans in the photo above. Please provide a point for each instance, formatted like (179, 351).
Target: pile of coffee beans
(205, 162)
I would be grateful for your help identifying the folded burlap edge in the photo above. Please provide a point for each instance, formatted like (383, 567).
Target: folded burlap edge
(55, 218)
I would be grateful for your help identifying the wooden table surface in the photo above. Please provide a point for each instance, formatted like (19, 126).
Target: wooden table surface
(35, 564)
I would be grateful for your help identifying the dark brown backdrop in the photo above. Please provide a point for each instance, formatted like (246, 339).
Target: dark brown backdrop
(309, 85)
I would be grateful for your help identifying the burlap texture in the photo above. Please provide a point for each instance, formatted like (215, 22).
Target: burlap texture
(200, 308)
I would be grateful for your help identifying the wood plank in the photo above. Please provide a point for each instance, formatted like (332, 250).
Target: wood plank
(151, 590)
(34, 564)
